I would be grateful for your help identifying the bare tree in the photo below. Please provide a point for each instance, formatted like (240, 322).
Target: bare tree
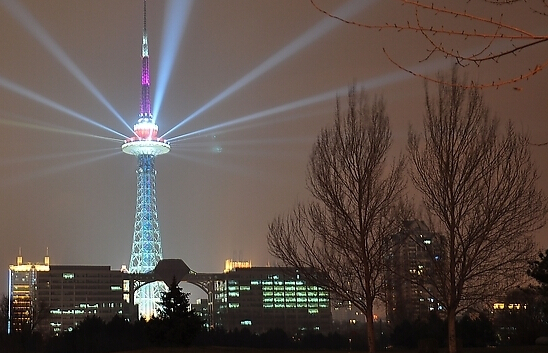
(339, 239)
(447, 27)
(480, 187)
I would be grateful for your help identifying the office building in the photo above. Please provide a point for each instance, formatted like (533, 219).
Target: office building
(262, 298)
(56, 298)
(71, 293)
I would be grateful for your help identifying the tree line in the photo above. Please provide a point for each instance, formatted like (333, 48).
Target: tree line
(477, 186)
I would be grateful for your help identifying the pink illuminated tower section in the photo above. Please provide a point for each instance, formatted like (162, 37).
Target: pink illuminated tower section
(145, 72)
(146, 249)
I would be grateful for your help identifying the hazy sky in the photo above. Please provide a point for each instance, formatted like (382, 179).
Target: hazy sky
(257, 79)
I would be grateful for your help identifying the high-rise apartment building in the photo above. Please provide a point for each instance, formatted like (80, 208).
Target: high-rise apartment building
(413, 253)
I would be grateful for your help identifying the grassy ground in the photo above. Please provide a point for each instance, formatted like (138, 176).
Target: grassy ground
(528, 349)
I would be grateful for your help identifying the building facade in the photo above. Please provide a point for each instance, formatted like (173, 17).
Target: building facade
(23, 310)
(262, 298)
(414, 252)
(56, 298)
(71, 293)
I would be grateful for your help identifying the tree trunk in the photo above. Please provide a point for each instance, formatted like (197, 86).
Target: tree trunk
(370, 326)
(451, 330)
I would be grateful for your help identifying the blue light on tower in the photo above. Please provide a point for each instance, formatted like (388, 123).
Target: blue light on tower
(146, 249)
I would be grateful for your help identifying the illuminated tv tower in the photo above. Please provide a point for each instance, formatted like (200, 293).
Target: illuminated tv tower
(146, 145)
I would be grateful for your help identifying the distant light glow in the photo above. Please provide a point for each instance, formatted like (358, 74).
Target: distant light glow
(301, 42)
(33, 27)
(40, 99)
(175, 21)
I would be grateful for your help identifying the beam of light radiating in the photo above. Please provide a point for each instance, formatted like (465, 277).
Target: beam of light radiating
(384, 80)
(54, 170)
(255, 142)
(64, 155)
(317, 31)
(53, 129)
(245, 119)
(34, 28)
(176, 16)
(40, 99)
(232, 125)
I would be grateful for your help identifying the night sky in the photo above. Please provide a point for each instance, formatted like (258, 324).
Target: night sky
(251, 82)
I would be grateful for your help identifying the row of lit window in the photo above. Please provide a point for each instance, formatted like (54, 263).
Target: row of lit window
(293, 299)
(294, 305)
(499, 306)
(278, 283)
(234, 288)
(298, 294)
(291, 288)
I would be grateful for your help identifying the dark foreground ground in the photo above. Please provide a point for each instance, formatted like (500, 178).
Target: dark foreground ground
(513, 349)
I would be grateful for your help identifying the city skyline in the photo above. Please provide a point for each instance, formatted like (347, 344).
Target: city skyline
(250, 83)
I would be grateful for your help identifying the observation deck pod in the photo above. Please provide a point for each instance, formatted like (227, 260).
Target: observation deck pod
(146, 140)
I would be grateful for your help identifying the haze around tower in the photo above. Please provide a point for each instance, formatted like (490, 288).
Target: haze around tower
(259, 81)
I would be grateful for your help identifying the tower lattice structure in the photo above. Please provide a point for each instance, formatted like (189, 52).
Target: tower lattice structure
(146, 249)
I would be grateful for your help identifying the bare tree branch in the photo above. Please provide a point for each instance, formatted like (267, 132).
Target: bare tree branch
(465, 25)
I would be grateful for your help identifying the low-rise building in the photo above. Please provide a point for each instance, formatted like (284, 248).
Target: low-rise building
(262, 298)
(56, 298)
